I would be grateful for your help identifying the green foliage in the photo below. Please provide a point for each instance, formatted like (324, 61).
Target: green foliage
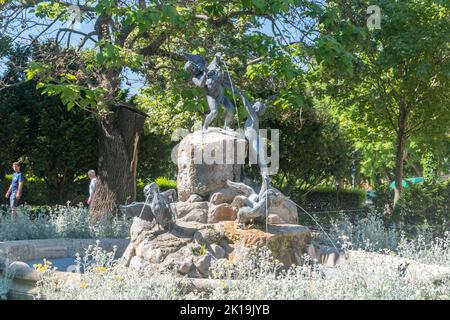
(155, 157)
(55, 146)
(421, 203)
(372, 233)
(200, 251)
(312, 148)
(326, 199)
(366, 233)
(37, 192)
(165, 183)
(162, 182)
(425, 202)
(5, 45)
(372, 75)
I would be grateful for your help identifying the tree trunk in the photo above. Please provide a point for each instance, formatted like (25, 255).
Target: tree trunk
(401, 152)
(118, 145)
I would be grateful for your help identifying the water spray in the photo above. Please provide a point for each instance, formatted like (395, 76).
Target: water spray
(311, 216)
(145, 204)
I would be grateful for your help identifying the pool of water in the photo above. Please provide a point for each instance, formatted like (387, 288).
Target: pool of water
(63, 264)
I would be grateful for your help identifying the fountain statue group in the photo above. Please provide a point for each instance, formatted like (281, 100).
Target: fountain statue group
(215, 214)
(212, 78)
(252, 206)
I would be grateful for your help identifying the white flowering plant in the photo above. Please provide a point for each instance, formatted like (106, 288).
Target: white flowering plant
(59, 222)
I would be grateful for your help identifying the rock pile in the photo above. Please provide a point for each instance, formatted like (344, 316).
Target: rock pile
(206, 230)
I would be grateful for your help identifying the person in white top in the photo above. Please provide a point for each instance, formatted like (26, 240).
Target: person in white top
(93, 177)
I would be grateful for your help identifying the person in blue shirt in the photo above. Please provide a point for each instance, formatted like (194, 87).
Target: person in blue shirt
(15, 189)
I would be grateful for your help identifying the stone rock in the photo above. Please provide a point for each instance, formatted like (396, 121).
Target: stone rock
(222, 212)
(156, 250)
(207, 236)
(137, 263)
(187, 229)
(185, 208)
(135, 209)
(279, 205)
(241, 201)
(196, 216)
(328, 256)
(284, 208)
(273, 219)
(251, 183)
(19, 266)
(207, 161)
(224, 195)
(194, 198)
(129, 253)
(139, 226)
(182, 259)
(203, 263)
(239, 253)
(186, 265)
(217, 251)
(288, 242)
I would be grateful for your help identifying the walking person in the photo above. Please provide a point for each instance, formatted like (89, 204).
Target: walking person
(93, 177)
(14, 192)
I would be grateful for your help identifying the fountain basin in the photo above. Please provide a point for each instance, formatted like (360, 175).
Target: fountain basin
(24, 253)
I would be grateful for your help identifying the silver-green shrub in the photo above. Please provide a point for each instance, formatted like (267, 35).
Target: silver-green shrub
(60, 222)
(377, 267)
(367, 233)
(364, 275)
(370, 234)
(103, 279)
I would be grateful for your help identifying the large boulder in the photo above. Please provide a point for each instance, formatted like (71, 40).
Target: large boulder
(192, 211)
(187, 229)
(222, 212)
(156, 250)
(207, 160)
(208, 236)
(288, 242)
(217, 251)
(284, 208)
(224, 195)
(195, 198)
(140, 226)
(181, 260)
(129, 253)
(203, 264)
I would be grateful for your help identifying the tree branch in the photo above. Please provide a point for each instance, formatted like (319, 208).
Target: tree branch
(152, 48)
(4, 86)
(86, 38)
(86, 35)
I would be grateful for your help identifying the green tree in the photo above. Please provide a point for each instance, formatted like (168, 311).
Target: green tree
(146, 37)
(393, 81)
(54, 144)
